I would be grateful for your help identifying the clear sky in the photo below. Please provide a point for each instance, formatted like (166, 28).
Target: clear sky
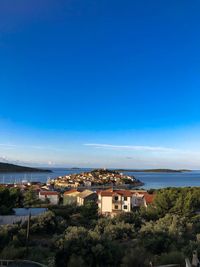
(100, 83)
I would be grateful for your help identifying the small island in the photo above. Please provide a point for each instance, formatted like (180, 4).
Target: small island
(154, 170)
(7, 167)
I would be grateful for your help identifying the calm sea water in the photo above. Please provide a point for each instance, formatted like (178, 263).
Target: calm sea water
(151, 180)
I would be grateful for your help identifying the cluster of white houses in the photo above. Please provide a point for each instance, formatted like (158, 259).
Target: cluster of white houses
(98, 177)
(110, 202)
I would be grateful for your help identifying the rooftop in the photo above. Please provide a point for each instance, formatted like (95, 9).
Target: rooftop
(111, 192)
(85, 193)
(72, 191)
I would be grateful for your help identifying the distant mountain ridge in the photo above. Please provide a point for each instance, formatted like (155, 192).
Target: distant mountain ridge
(8, 167)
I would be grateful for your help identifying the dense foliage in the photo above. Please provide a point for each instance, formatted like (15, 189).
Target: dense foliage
(13, 198)
(9, 198)
(166, 232)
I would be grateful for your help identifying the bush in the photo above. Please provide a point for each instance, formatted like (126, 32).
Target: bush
(173, 257)
(137, 257)
(12, 253)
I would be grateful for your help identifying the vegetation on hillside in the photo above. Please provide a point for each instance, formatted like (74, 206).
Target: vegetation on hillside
(7, 167)
(166, 232)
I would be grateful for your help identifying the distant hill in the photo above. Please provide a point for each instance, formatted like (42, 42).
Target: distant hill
(7, 167)
(153, 170)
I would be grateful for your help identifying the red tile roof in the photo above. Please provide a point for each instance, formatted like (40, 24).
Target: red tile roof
(108, 193)
(105, 194)
(149, 197)
(109, 189)
(125, 193)
(141, 192)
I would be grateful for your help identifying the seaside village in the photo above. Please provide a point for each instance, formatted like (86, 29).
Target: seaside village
(113, 192)
(110, 201)
(99, 186)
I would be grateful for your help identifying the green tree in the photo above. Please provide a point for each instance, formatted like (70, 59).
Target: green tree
(137, 257)
(131, 218)
(6, 201)
(30, 198)
(45, 223)
(173, 257)
(76, 261)
(89, 211)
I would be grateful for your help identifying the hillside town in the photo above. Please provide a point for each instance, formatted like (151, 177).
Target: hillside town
(95, 178)
(110, 201)
(38, 217)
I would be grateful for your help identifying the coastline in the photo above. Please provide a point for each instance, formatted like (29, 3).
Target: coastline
(150, 180)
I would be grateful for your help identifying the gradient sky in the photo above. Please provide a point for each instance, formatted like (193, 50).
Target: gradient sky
(100, 83)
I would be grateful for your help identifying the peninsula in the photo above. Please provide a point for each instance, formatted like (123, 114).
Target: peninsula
(96, 178)
(7, 167)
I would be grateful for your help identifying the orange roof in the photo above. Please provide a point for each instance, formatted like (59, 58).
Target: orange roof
(142, 192)
(109, 189)
(125, 193)
(107, 193)
(48, 193)
(149, 197)
(71, 191)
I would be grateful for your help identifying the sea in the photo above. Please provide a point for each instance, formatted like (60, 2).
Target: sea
(152, 180)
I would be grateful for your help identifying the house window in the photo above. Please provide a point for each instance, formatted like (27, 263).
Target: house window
(125, 198)
(116, 198)
(116, 207)
(125, 207)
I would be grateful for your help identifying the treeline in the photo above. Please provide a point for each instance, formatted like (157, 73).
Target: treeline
(164, 233)
(7, 167)
(13, 198)
(182, 201)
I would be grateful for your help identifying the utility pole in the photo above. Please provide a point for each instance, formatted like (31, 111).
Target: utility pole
(27, 233)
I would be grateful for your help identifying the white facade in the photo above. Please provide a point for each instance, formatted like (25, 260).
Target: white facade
(126, 204)
(113, 203)
(105, 204)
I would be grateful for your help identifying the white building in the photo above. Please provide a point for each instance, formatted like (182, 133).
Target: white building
(113, 202)
(52, 196)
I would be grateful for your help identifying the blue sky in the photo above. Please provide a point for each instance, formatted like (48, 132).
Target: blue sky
(100, 83)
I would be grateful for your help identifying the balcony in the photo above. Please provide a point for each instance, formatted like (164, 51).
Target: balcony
(116, 201)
